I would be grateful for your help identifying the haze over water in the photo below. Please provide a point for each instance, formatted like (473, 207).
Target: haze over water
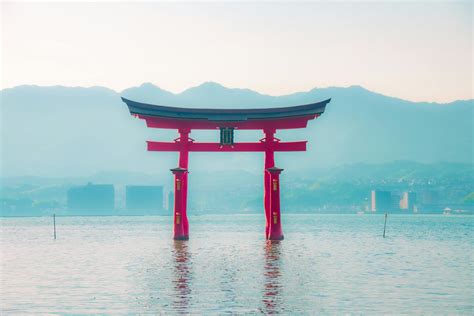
(326, 264)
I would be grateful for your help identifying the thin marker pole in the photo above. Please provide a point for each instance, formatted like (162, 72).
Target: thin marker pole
(54, 224)
(385, 225)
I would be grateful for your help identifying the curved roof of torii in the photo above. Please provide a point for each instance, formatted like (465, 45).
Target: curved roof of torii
(225, 115)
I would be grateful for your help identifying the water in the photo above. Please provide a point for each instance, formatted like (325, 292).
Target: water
(326, 264)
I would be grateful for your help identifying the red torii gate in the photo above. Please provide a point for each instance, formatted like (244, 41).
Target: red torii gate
(227, 120)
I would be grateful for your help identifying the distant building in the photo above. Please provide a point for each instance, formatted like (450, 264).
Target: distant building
(429, 197)
(381, 201)
(144, 198)
(91, 199)
(395, 201)
(16, 207)
(170, 202)
(408, 201)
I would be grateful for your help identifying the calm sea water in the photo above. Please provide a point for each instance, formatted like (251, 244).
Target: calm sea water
(326, 264)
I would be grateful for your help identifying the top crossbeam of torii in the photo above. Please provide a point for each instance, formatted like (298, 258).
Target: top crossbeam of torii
(227, 120)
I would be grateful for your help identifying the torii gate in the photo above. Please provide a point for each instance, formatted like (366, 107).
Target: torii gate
(227, 120)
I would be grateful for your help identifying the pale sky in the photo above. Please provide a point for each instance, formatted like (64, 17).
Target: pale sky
(416, 51)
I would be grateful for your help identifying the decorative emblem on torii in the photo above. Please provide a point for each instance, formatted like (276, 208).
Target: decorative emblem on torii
(227, 121)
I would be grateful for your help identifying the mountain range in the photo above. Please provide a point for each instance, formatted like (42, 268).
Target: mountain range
(58, 131)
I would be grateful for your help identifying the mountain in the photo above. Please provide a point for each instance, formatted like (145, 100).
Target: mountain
(72, 131)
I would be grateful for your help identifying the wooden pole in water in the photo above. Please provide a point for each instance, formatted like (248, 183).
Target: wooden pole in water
(385, 225)
(54, 225)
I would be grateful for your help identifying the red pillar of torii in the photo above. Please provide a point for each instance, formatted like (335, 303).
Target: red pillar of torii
(269, 120)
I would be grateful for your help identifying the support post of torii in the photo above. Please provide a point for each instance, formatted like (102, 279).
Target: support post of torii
(269, 162)
(180, 220)
(181, 226)
(275, 230)
(269, 120)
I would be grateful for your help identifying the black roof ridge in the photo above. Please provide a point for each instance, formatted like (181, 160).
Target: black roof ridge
(224, 114)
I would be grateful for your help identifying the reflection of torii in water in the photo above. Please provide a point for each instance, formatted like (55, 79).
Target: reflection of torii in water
(272, 290)
(182, 275)
(268, 120)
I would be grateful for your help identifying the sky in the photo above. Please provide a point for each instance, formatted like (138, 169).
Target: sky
(417, 51)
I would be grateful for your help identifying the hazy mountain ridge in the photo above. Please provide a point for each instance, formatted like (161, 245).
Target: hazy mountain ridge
(72, 131)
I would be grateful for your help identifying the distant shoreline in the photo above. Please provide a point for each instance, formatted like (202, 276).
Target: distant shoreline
(216, 214)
